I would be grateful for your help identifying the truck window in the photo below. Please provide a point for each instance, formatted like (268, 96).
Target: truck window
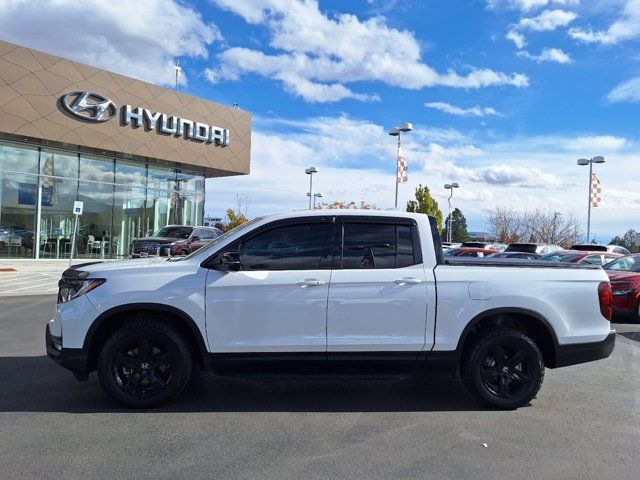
(291, 247)
(371, 245)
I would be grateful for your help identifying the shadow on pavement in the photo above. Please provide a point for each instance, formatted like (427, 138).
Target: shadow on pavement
(631, 335)
(36, 384)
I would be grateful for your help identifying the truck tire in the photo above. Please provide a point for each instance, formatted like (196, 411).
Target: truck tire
(504, 369)
(144, 363)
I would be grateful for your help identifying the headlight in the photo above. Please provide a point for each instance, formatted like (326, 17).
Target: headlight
(622, 293)
(76, 288)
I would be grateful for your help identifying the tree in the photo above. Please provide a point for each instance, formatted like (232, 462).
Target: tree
(346, 206)
(239, 215)
(458, 227)
(543, 226)
(627, 241)
(425, 203)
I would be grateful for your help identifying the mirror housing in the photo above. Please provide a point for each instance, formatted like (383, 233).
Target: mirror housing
(195, 238)
(230, 261)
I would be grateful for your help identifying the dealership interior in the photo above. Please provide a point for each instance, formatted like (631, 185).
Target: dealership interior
(123, 199)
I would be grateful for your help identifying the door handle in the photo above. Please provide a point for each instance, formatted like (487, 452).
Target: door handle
(408, 281)
(310, 283)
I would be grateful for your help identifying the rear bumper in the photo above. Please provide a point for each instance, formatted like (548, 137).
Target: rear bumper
(576, 353)
(74, 359)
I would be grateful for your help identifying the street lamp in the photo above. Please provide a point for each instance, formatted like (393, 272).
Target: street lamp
(310, 171)
(584, 162)
(397, 132)
(315, 195)
(450, 186)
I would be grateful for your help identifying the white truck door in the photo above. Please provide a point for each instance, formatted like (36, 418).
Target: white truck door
(277, 302)
(378, 291)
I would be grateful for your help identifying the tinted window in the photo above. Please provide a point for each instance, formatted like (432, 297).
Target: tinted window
(594, 260)
(522, 247)
(291, 247)
(204, 234)
(370, 245)
(174, 232)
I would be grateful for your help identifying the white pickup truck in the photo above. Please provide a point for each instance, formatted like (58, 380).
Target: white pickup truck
(350, 292)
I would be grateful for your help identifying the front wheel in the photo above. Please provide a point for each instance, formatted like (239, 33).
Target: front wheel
(144, 363)
(504, 370)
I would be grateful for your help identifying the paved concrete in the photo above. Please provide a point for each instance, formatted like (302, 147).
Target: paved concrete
(584, 424)
(33, 277)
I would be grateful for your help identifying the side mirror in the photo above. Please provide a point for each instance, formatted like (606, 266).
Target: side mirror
(195, 238)
(230, 261)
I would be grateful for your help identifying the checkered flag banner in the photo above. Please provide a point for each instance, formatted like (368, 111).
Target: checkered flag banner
(403, 168)
(596, 191)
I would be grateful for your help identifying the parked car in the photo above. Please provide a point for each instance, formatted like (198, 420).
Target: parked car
(173, 240)
(490, 245)
(590, 247)
(624, 274)
(577, 256)
(539, 248)
(518, 255)
(469, 252)
(451, 244)
(312, 292)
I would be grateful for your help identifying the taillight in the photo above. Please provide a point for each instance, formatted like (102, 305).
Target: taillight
(605, 296)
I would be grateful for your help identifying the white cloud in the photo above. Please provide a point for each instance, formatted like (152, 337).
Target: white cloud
(628, 91)
(527, 5)
(627, 27)
(547, 20)
(517, 38)
(595, 143)
(548, 55)
(319, 54)
(476, 111)
(140, 39)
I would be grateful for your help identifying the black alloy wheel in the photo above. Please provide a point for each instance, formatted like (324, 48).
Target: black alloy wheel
(505, 369)
(144, 363)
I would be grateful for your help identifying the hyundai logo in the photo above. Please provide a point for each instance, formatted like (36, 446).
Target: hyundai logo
(89, 106)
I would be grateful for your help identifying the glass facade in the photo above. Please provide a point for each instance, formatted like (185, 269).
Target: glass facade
(123, 199)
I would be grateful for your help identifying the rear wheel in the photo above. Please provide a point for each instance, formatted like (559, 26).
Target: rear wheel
(144, 363)
(504, 369)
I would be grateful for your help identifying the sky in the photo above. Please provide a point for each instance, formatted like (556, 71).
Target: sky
(504, 95)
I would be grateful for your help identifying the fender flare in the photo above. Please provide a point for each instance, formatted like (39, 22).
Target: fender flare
(154, 307)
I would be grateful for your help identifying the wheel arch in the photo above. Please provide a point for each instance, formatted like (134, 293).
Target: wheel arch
(110, 320)
(531, 323)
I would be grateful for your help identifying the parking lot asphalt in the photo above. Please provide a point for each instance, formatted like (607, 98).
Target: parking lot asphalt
(585, 423)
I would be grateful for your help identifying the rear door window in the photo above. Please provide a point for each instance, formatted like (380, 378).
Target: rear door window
(377, 245)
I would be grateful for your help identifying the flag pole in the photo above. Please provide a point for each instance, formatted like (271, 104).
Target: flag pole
(397, 169)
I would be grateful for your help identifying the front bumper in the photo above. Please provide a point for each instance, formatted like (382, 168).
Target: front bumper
(575, 353)
(74, 359)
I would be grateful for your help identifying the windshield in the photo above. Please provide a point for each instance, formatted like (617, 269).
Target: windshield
(562, 257)
(173, 232)
(217, 240)
(624, 264)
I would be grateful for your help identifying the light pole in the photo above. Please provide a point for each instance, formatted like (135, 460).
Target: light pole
(583, 162)
(315, 195)
(450, 186)
(397, 132)
(310, 171)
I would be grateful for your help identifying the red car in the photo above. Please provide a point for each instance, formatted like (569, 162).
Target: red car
(624, 274)
(469, 252)
(580, 256)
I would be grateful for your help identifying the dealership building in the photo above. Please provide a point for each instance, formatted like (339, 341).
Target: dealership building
(135, 154)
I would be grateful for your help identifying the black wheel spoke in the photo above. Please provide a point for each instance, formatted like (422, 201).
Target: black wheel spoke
(522, 377)
(132, 384)
(516, 358)
(503, 386)
(126, 361)
(144, 350)
(161, 359)
(498, 355)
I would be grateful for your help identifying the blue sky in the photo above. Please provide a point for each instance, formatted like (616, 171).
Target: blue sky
(504, 95)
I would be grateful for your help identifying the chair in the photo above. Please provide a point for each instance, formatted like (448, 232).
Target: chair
(90, 244)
